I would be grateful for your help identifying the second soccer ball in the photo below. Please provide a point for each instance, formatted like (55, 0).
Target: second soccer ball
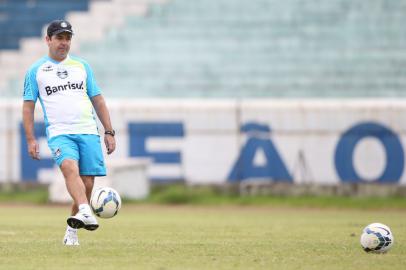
(376, 238)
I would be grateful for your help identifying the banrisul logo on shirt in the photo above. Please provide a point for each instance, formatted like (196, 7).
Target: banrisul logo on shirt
(63, 87)
(62, 73)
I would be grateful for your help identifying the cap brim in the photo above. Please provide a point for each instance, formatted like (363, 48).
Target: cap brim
(61, 31)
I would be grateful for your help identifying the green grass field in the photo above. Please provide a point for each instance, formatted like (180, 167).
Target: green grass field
(150, 236)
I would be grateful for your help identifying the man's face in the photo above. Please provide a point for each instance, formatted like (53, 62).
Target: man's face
(59, 45)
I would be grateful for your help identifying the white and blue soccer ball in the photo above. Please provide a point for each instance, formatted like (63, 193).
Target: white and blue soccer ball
(105, 202)
(377, 238)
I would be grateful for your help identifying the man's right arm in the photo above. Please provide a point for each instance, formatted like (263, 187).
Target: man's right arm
(28, 123)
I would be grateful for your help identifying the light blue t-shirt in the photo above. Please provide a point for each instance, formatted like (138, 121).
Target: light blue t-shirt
(64, 90)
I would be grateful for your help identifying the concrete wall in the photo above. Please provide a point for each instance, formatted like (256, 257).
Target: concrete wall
(204, 141)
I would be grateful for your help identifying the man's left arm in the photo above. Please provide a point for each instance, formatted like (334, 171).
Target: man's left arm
(103, 113)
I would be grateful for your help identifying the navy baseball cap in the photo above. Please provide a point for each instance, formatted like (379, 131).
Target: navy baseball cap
(59, 26)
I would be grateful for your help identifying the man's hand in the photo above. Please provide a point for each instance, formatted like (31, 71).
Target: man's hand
(110, 143)
(33, 149)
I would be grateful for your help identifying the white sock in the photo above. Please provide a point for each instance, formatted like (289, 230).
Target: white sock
(85, 208)
(70, 229)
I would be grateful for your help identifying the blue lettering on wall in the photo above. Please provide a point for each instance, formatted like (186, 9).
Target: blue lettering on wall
(393, 148)
(140, 132)
(244, 168)
(29, 166)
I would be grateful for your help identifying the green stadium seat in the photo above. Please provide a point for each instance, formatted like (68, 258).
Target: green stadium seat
(257, 48)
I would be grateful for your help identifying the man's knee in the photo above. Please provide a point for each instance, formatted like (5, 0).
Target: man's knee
(69, 167)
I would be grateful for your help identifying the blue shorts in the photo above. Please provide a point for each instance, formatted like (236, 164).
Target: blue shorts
(84, 148)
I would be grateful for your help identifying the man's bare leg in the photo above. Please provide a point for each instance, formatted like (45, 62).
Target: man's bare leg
(77, 189)
(74, 183)
(88, 181)
(71, 235)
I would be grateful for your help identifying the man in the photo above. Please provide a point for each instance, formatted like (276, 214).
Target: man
(68, 93)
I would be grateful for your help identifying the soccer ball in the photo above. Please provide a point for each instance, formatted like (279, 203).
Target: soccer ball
(105, 202)
(376, 238)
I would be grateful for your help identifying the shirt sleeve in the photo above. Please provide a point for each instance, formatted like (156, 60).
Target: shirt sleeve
(92, 87)
(30, 86)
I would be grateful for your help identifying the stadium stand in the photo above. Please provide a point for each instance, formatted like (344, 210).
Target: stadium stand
(258, 48)
(87, 15)
(25, 18)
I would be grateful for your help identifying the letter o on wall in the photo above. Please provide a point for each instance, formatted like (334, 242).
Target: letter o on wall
(345, 151)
